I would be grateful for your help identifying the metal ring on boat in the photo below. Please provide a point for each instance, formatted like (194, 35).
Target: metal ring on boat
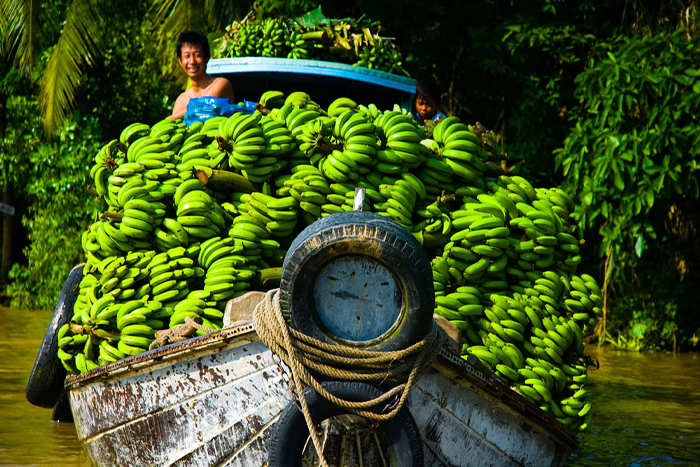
(290, 433)
(48, 374)
(358, 279)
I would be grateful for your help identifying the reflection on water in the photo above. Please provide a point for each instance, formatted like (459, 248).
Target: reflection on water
(646, 407)
(646, 410)
(27, 436)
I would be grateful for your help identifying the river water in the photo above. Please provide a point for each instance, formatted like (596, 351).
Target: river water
(646, 407)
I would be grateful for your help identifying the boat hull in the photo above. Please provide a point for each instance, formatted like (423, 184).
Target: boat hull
(212, 401)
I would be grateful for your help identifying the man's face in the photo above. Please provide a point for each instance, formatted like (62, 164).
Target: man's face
(426, 107)
(192, 60)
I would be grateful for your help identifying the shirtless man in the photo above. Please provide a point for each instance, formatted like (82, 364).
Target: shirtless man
(193, 55)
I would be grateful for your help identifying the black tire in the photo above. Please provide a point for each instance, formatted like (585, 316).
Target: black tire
(48, 374)
(290, 433)
(62, 411)
(360, 234)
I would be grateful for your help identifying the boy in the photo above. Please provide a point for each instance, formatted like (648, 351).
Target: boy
(428, 101)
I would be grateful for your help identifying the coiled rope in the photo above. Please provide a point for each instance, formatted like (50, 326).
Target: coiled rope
(306, 356)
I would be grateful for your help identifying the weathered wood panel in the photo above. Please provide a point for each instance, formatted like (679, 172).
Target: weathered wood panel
(462, 426)
(156, 385)
(197, 410)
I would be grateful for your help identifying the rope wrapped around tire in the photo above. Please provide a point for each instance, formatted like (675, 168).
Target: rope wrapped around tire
(48, 374)
(290, 433)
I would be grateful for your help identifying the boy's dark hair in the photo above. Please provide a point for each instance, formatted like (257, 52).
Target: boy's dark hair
(429, 88)
(194, 38)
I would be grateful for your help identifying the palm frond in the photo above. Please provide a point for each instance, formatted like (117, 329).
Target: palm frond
(18, 26)
(173, 17)
(76, 48)
(162, 9)
(182, 18)
(221, 13)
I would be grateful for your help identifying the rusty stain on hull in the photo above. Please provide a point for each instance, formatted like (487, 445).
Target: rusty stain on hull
(212, 401)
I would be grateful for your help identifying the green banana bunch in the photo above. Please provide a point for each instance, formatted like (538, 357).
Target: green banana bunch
(340, 105)
(401, 137)
(370, 111)
(436, 175)
(307, 187)
(401, 198)
(462, 150)
(298, 47)
(275, 37)
(435, 217)
(298, 117)
(380, 55)
(244, 42)
(357, 138)
(245, 136)
(272, 41)
(131, 133)
(272, 100)
(314, 139)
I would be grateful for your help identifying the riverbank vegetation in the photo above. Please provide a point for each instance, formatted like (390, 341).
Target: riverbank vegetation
(600, 98)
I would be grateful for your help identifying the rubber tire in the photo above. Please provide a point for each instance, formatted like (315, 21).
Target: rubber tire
(290, 433)
(350, 232)
(48, 374)
(62, 411)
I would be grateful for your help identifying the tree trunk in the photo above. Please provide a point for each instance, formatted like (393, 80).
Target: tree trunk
(6, 262)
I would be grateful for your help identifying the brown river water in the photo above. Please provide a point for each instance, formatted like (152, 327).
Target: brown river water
(646, 407)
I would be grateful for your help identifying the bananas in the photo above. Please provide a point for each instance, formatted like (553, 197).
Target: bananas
(274, 37)
(170, 247)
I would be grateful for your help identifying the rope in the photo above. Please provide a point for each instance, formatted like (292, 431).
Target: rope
(306, 356)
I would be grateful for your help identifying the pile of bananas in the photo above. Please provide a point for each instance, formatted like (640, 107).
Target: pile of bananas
(348, 41)
(514, 246)
(168, 246)
(380, 55)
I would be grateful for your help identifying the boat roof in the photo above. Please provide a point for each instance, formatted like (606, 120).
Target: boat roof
(287, 68)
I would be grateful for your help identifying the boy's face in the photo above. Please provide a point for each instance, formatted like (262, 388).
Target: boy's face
(426, 107)
(192, 60)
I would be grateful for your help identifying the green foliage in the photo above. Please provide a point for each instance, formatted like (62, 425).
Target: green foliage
(606, 85)
(50, 176)
(57, 175)
(631, 158)
(126, 84)
(21, 137)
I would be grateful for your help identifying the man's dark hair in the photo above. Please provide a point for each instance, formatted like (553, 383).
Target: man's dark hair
(193, 38)
(429, 88)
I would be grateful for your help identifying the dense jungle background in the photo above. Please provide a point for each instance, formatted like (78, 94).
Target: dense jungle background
(600, 98)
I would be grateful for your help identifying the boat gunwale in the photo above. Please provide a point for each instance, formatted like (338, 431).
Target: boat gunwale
(157, 355)
(446, 362)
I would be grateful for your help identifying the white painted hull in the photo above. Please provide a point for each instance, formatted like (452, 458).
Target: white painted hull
(211, 401)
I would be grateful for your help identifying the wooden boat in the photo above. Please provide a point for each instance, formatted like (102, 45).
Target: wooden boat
(214, 400)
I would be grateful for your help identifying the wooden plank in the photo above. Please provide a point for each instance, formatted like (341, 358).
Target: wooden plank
(462, 427)
(162, 384)
(203, 430)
